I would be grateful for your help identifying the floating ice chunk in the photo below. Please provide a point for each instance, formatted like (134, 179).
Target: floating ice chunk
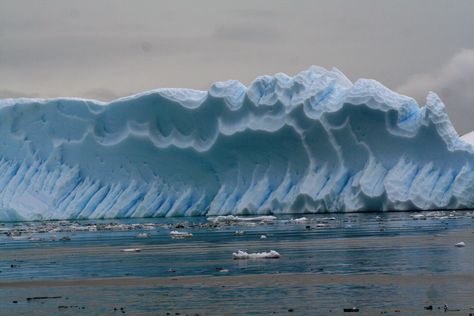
(21, 237)
(328, 219)
(239, 232)
(263, 236)
(460, 244)
(232, 218)
(176, 234)
(435, 214)
(131, 250)
(272, 254)
(301, 220)
(148, 226)
(322, 225)
(143, 235)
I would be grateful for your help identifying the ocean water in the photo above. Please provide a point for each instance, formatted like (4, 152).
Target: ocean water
(379, 263)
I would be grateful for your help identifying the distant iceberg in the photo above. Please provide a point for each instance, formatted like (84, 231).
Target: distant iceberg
(310, 143)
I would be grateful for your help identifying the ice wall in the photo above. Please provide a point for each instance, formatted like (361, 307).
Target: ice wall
(310, 143)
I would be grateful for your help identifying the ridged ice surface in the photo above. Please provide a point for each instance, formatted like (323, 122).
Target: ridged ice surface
(310, 143)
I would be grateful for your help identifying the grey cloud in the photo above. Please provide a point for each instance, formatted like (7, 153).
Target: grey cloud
(7, 93)
(62, 48)
(454, 82)
(101, 94)
(254, 13)
(245, 32)
(91, 50)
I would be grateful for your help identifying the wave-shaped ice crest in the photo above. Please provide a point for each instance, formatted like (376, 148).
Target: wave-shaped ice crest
(310, 143)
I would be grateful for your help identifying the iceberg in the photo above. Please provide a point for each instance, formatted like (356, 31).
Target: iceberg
(315, 142)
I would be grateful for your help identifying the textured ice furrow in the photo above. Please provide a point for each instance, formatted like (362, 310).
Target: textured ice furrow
(310, 143)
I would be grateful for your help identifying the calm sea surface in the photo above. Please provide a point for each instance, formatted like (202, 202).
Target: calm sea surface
(379, 263)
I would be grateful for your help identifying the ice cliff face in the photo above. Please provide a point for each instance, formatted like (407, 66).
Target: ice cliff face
(310, 143)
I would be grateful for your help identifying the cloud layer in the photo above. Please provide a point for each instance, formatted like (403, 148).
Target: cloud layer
(104, 49)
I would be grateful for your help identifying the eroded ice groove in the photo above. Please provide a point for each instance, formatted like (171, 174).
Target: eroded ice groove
(310, 143)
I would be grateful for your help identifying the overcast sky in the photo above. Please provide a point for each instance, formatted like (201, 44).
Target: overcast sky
(104, 49)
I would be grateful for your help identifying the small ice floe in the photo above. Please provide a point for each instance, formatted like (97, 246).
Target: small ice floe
(435, 214)
(239, 232)
(272, 254)
(21, 237)
(301, 220)
(55, 230)
(322, 225)
(328, 219)
(417, 216)
(263, 236)
(460, 244)
(131, 250)
(73, 228)
(149, 226)
(177, 234)
(232, 218)
(143, 235)
(222, 270)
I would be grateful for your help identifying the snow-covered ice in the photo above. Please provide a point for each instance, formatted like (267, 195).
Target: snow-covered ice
(272, 254)
(131, 250)
(315, 142)
(301, 220)
(178, 234)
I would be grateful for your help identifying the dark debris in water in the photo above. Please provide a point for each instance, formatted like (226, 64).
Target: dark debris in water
(42, 298)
